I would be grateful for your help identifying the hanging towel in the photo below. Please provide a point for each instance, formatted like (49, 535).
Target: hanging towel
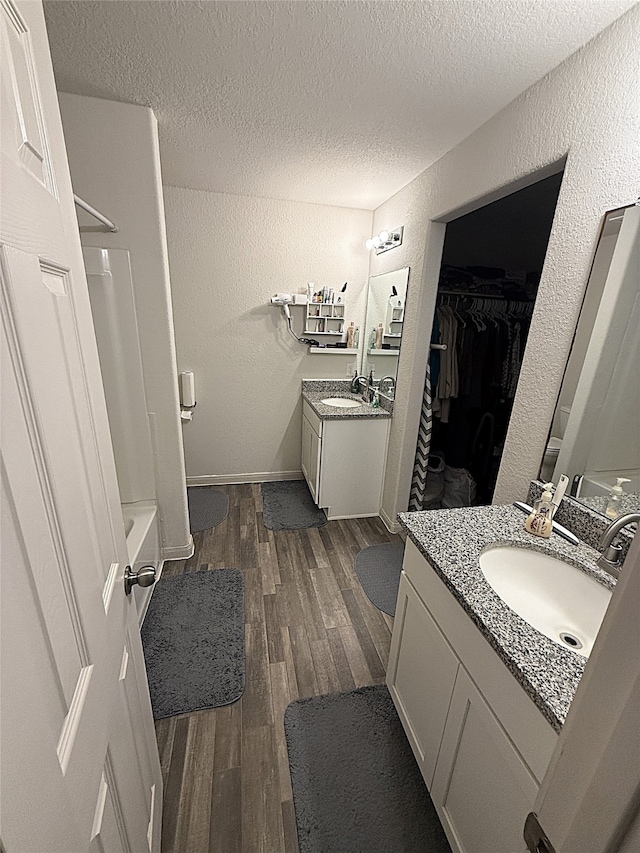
(421, 462)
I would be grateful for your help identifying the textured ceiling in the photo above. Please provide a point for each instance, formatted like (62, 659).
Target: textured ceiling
(331, 102)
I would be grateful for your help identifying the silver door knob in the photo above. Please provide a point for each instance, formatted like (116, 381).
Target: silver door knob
(144, 577)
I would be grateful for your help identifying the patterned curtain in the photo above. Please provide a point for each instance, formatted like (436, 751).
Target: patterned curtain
(419, 481)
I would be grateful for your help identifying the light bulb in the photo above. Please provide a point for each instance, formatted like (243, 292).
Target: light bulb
(369, 243)
(384, 236)
(376, 241)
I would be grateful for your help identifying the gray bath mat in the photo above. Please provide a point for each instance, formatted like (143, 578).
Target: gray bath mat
(288, 505)
(193, 640)
(356, 784)
(207, 507)
(378, 568)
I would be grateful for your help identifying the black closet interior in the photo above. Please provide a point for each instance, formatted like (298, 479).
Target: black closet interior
(491, 265)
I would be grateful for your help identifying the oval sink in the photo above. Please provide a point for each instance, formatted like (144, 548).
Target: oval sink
(341, 402)
(559, 600)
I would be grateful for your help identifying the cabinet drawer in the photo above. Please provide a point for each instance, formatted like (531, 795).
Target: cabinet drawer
(314, 420)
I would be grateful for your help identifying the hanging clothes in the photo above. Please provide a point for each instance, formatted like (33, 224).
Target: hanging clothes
(472, 399)
(448, 381)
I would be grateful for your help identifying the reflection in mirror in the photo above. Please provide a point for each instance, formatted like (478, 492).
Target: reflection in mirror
(386, 299)
(595, 432)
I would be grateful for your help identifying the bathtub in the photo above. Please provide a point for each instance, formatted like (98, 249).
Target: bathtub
(143, 546)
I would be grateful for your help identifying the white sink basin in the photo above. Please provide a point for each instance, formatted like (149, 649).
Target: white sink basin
(341, 403)
(555, 598)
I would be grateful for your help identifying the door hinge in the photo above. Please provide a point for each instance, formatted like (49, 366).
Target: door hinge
(535, 837)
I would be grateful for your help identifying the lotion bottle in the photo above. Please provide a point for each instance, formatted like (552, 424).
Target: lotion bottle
(539, 521)
(613, 507)
(379, 336)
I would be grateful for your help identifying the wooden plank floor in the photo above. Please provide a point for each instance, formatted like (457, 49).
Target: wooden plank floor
(309, 629)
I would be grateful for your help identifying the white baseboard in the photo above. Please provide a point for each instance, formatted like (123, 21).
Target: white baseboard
(235, 479)
(145, 606)
(344, 517)
(179, 552)
(392, 526)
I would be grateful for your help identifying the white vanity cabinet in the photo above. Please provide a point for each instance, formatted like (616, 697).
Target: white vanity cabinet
(481, 744)
(343, 462)
(310, 460)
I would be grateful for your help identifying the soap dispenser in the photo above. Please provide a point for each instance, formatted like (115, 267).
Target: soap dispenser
(615, 496)
(539, 521)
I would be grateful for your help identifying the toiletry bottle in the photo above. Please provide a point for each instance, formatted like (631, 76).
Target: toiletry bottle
(375, 403)
(372, 339)
(351, 336)
(539, 521)
(379, 336)
(613, 507)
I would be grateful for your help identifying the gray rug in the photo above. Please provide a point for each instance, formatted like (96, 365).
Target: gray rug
(207, 507)
(378, 568)
(356, 784)
(288, 505)
(193, 640)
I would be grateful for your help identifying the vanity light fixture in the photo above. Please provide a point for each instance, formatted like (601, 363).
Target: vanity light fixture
(385, 240)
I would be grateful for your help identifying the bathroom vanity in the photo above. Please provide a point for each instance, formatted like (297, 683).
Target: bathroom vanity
(480, 693)
(343, 453)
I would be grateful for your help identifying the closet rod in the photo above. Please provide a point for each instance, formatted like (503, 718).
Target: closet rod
(96, 213)
(466, 295)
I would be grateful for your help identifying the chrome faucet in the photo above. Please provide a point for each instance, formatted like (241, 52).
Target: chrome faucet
(355, 384)
(392, 385)
(610, 557)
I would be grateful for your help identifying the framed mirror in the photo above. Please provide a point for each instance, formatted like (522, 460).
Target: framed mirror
(595, 432)
(386, 299)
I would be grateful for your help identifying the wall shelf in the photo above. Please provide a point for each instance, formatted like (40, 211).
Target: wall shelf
(324, 318)
(332, 351)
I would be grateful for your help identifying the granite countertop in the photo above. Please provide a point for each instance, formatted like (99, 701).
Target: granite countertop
(364, 410)
(452, 541)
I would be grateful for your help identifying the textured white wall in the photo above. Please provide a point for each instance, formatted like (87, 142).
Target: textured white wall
(228, 255)
(587, 110)
(115, 166)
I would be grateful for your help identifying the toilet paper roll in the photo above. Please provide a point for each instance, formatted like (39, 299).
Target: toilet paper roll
(188, 389)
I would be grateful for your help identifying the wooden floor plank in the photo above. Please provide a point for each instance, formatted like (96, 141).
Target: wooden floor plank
(374, 664)
(309, 629)
(193, 834)
(262, 830)
(225, 824)
(173, 813)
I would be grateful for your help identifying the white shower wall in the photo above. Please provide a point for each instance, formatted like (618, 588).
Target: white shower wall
(114, 320)
(115, 166)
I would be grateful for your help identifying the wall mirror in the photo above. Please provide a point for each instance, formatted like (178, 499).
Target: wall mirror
(386, 298)
(595, 432)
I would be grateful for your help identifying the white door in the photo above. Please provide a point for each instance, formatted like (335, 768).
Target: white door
(80, 769)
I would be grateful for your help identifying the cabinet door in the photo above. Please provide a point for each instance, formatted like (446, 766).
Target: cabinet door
(310, 461)
(420, 677)
(482, 789)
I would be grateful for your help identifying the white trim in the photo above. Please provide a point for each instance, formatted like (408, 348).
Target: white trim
(143, 610)
(179, 552)
(234, 479)
(342, 517)
(392, 526)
